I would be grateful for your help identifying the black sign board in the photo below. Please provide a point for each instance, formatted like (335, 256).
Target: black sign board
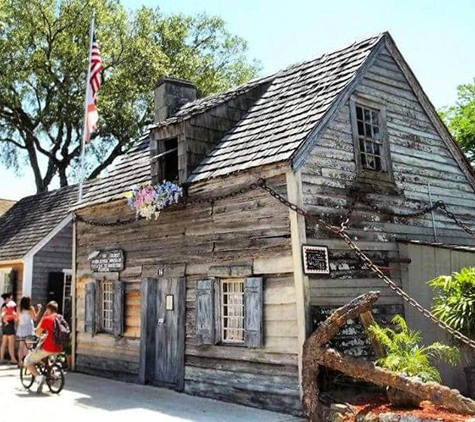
(108, 261)
(315, 260)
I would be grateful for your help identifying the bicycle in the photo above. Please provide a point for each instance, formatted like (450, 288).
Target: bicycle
(50, 367)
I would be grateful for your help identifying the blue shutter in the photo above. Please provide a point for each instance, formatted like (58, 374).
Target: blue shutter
(253, 312)
(118, 308)
(205, 314)
(90, 308)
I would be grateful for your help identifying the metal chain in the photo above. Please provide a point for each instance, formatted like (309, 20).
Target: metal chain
(187, 201)
(391, 284)
(103, 224)
(437, 205)
(451, 215)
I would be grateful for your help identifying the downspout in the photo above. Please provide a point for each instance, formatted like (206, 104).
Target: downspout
(73, 297)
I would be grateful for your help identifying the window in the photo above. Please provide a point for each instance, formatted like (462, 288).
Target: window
(6, 280)
(167, 160)
(107, 305)
(232, 311)
(104, 307)
(370, 139)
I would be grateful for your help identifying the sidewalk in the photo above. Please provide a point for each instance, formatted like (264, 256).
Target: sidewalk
(100, 399)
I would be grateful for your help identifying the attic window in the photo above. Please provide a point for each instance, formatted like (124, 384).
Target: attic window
(167, 160)
(369, 133)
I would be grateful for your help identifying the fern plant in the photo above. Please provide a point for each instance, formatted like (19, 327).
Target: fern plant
(406, 355)
(455, 303)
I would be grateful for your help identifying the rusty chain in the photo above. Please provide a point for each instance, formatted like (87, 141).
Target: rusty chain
(340, 231)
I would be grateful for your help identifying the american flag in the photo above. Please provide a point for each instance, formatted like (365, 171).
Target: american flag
(94, 83)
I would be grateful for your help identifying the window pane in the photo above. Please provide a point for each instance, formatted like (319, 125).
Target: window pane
(359, 113)
(370, 162)
(368, 132)
(367, 115)
(360, 128)
(107, 306)
(377, 149)
(369, 147)
(376, 134)
(363, 160)
(375, 117)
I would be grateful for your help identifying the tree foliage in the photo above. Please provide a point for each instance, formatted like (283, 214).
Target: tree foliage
(460, 119)
(455, 300)
(44, 49)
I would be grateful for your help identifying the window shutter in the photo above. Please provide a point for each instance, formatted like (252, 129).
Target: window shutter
(118, 308)
(205, 325)
(90, 308)
(253, 312)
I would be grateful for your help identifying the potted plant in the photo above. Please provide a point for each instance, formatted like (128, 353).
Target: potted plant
(455, 305)
(405, 354)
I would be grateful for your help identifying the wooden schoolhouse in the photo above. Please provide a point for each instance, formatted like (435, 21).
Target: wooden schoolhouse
(216, 296)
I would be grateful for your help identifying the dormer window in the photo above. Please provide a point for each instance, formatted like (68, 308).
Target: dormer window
(167, 160)
(370, 139)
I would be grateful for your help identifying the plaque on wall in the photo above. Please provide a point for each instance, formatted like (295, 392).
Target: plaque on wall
(108, 261)
(315, 260)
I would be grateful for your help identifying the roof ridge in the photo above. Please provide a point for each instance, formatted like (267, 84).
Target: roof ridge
(376, 37)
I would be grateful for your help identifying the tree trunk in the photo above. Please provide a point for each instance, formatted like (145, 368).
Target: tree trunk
(314, 354)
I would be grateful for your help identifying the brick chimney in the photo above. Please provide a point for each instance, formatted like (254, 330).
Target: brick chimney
(170, 94)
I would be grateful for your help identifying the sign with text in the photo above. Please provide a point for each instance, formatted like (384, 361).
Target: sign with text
(315, 260)
(107, 261)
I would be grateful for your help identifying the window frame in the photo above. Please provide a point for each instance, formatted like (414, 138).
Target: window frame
(163, 156)
(5, 280)
(222, 282)
(386, 174)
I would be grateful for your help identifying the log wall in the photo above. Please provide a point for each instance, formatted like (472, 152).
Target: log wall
(250, 229)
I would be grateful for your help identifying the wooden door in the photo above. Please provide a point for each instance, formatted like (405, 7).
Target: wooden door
(163, 332)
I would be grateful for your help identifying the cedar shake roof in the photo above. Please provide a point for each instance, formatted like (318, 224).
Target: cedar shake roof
(204, 104)
(132, 169)
(5, 204)
(272, 131)
(281, 120)
(31, 219)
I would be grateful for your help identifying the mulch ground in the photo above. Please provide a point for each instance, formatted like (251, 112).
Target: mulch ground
(377, 404)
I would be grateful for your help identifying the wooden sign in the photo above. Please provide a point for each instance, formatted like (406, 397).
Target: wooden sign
(315, 260)
(107, 261)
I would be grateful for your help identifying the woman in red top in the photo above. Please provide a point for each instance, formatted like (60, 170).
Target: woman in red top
(48, 347)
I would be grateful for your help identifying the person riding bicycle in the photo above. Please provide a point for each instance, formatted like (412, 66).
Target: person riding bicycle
(48, 345)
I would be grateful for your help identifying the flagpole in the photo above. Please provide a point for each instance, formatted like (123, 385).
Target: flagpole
(84, 132)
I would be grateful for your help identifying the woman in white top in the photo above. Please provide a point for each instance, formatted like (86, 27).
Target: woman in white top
(27, 316)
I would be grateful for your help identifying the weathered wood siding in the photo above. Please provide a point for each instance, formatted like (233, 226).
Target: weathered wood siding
(53, 257)
(419, 157)
(428, 262)
(250, 228)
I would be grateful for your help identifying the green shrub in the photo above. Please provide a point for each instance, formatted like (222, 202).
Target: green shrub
(406, 355)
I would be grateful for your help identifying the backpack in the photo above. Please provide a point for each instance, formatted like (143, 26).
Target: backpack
(61, 331)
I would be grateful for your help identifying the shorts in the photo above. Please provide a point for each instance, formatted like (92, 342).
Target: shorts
(8, 329)
(36, 355)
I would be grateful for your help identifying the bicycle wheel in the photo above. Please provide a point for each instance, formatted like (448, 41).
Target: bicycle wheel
(26, 377)
(55, 378)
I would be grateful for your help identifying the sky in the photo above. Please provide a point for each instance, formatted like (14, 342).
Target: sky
(437, 39)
